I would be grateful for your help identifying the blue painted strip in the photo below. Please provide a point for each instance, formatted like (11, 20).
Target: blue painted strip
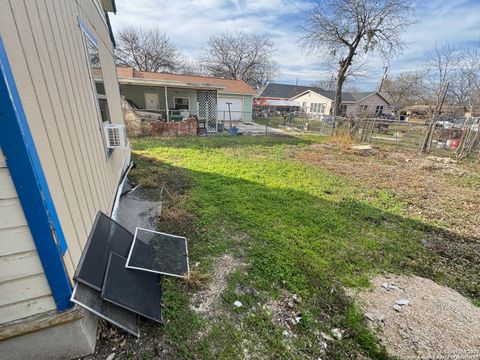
(88, 32)
(22, 159)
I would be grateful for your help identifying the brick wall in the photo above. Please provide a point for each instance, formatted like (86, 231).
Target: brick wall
(182, 128)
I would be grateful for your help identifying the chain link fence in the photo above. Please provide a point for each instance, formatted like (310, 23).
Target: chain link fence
(449, 138)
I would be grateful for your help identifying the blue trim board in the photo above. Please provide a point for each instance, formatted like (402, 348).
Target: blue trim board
(26, 171)
(87, 31)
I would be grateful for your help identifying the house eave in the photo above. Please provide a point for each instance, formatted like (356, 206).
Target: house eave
(167, 83)
(109, 6)
(234, 93)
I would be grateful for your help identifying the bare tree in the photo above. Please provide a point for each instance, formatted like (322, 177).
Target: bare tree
(405, 89)
(326, 84)
(345, 27)
(442, 61)
(147, 49)
(466, 80)
(466, 92)
(240, 56)
(188, 66)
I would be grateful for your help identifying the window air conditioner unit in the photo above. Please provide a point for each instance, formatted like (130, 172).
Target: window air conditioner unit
(115, 136)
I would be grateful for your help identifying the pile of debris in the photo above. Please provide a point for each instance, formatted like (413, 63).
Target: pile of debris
(118, 276)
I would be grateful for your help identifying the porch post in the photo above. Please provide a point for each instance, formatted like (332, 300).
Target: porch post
(166, 105)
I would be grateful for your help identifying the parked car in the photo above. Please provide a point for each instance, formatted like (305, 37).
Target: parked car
(457, 123)
(450, 122)
(387, 117)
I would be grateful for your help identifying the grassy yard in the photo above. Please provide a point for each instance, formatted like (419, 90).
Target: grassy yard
(295, 228)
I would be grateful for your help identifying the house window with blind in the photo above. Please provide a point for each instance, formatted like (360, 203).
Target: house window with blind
(181, 103)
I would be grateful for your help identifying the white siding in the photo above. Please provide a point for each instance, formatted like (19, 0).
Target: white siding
(45, 48)
(311, 97)
(24, 289)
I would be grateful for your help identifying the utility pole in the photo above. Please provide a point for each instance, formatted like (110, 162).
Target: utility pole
(384, 77)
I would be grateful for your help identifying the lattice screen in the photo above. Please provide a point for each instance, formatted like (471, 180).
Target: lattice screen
(207, 108)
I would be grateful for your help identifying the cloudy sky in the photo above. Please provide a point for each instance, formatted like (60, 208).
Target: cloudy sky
(189, 24)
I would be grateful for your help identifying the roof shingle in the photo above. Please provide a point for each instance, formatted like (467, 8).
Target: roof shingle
(284, 91)
(231, 86)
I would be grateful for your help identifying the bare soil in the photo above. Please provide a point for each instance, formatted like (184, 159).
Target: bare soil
(204, 301)
(437, 322)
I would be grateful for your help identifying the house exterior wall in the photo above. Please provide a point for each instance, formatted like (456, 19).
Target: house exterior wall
(23, 285)
(45, 48)
(372, 102)
(247, 101)
(311, 97)
(352, 109)
(136, 93)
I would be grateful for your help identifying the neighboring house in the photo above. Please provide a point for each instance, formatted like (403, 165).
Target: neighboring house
(315, 100)
(353, 104)
(57, 169)
(285, 92)
(171, 94)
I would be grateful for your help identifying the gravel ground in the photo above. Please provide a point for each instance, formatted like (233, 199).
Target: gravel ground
(437, 322)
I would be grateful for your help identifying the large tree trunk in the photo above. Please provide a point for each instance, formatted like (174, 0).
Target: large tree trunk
(338, 92)
(342, 71)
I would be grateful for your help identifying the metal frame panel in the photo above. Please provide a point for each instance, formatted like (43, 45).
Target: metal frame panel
(26, 170)
(129, 266)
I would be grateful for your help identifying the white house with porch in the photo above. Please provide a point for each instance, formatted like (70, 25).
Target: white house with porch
(321, 102)
(177, 96)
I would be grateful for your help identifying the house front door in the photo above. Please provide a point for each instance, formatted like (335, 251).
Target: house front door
(152, 101)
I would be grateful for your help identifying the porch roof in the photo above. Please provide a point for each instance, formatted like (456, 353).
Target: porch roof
(171, 84)
(282, 103)
(128, 75)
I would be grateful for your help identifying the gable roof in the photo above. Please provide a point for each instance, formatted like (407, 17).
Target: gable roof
(346, 97)
(363, 95)
(349, 97)
(161, 78)
(284, 91)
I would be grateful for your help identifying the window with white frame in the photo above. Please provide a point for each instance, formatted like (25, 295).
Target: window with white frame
(96, 72)
(318, 108)
(181, 103)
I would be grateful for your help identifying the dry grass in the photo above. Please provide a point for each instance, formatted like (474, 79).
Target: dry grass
(342, 139)
(443, 194)
(196, 280)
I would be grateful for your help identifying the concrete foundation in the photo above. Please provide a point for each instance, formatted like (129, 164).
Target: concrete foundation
(63, 341)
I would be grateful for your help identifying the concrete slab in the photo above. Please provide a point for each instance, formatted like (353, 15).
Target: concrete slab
(64, 341)
(251, 128)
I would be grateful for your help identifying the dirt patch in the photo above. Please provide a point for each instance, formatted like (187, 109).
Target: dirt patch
(205, 300)
(112, 340)
(417, 318)
(284, 312)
